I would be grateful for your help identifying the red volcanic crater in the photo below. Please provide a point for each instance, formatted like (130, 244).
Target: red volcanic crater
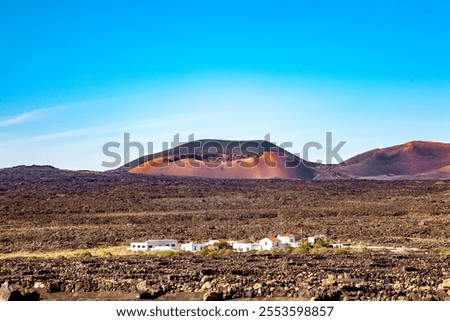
(224, 159)
(261, 159)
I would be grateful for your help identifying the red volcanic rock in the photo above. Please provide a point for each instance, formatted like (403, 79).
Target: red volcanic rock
(262, 159)
(224, 159)
(418, 159)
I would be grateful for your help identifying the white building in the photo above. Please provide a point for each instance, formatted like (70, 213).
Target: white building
(242, 247)
(193, 247)
(246, 247)
(287, 238)
(154, 245)
(270, 243)
(212, 242)
(256, 247)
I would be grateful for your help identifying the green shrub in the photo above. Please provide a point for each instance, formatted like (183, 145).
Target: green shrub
(305, 248)
(275, 250)
(166, 253)
(227, 252)
(300, 250)
(85, 254)
(205, 251)
(213, 252)
(318, 250)
(320, 243)
(341, 250)
(223, 245)
(444, 250)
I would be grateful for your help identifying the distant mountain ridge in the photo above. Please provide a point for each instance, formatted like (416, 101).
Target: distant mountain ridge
(224, 159)
(262, 159)
(409, 159)
(258, 159)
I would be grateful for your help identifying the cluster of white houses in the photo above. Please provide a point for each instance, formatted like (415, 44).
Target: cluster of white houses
(268, 243)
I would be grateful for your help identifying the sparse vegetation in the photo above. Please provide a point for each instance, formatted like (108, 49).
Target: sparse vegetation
(216, 205)
(69, 253)
(166, 253)
(317, 250)
(303, 249)
(444, 250)
(342, 250)
(223, 245)
(85, 254)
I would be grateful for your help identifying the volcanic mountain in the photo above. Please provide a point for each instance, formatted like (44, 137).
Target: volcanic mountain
(416, 159)
(225, 159)
(261, 159)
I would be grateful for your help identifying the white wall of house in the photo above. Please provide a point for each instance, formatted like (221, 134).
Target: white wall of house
(151, 245)
(242, 247)
(311, 240)
(270, 243)
(138, 246)
(211, 242)
(256, 247)
(158, 243)
(166, 248)
(193, 247)
(286, 238)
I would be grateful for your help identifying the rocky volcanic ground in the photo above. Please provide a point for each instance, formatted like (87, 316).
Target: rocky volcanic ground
(356, 276)
(44, 209)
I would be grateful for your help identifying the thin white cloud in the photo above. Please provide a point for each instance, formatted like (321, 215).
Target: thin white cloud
(24, 117)
(96, 132)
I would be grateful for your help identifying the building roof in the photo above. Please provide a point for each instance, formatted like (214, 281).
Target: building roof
(286, 234)
(273, 239)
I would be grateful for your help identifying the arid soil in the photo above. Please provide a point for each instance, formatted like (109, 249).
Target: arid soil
(358, 276)
(44, 209)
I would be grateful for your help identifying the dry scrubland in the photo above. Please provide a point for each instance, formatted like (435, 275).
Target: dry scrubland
(69, 216)
(44, 209)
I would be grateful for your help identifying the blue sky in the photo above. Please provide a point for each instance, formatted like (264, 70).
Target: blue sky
(77, 74)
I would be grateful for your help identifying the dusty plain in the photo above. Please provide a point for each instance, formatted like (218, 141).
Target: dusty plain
(64, 234)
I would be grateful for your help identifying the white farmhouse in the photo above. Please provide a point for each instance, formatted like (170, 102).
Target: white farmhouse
(269, 243)
(154, 245)
(242, 247)
(246, 247)
(287, 238)
(193, 247)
